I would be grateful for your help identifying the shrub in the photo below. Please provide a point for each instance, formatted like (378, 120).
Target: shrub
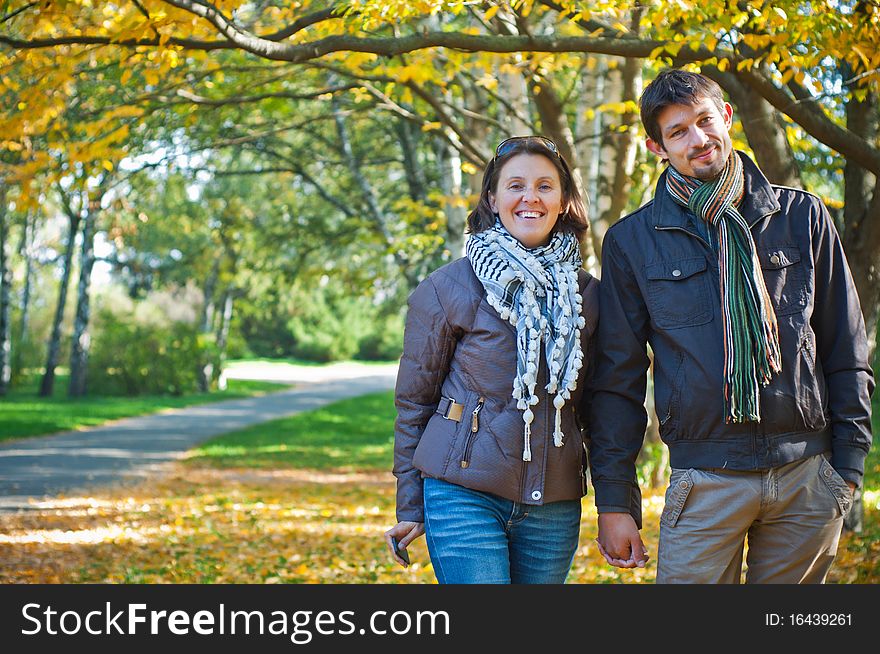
(149, 347)
(383, 341)
(326, 326)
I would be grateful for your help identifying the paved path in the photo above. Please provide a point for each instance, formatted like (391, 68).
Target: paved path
(130, 449)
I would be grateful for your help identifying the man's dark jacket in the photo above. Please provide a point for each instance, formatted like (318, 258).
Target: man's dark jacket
(660, 285)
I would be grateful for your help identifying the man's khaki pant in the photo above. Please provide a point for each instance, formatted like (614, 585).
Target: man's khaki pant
(791, 517)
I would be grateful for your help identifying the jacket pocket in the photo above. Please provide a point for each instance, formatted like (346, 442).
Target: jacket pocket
(473, 420)
(809, 393)
(667, 415)
(785, 278)
(680, 484)
(678, 293)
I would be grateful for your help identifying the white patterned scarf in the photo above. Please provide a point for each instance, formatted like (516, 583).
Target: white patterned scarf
(536, 290)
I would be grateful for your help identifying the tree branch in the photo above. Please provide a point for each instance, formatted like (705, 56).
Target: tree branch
(219, 102)
(815, 122)
(17, 12)
(306, 21)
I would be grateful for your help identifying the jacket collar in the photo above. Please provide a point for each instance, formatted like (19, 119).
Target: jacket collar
(758, 201)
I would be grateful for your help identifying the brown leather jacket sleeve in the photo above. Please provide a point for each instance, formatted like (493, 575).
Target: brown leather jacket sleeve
(428, 345)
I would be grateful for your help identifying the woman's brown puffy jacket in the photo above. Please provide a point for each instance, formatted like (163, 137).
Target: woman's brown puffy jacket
(457, 347)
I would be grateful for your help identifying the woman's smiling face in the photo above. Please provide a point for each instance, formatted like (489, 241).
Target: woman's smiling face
(528, 198)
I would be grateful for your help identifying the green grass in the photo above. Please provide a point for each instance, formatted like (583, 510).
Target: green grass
(355, 434)
(23, 413)
(311, 364)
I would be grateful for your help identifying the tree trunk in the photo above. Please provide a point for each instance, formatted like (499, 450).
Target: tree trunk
(451, 180)
(764, 128)
(861, 214)
(222, 338)
(861, 238)
(415, 178)
(47, 385)
(556, 127)
(589, 127)
(25, 250)
(205, 372)
(5, 298)
(513, 87)
(81, 340)
(622, 145)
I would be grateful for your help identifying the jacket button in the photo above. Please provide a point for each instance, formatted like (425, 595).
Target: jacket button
(828, 472)
(683, 484)
(676, 273)
(775, 260)
(536, 495)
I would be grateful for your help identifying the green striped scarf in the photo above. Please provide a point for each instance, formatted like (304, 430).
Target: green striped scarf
(751, 334)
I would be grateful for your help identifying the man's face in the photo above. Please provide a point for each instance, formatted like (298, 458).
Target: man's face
(696, 138)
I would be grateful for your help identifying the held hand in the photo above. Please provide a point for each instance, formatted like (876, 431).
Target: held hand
(619, 541)
(405, 532)
(852, 488)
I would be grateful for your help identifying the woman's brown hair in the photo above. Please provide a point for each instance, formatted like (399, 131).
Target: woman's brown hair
(574, 220)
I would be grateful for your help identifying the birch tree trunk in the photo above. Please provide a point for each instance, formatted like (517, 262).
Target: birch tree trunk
(222, 338)
(47, 386)
(26, 252)
(589, 129)
(556, 127)
(205, 372)
(621, 145)
(5, 298)
(81, 340)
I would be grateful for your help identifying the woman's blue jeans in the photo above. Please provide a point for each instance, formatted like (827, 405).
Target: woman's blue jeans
(479, 538)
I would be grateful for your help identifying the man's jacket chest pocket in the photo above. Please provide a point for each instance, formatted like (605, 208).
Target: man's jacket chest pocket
(678, 293)
(785, 277)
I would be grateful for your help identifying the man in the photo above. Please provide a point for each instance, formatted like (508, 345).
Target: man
(761, 377)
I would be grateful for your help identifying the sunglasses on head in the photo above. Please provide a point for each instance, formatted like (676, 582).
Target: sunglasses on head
(507, 145)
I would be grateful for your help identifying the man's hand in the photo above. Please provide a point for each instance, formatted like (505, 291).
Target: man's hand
(619, 541)
(852, 488)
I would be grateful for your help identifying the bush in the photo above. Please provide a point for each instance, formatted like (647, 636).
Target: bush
(327, 325)
(134, 359)
(384, 340)
(152, 347)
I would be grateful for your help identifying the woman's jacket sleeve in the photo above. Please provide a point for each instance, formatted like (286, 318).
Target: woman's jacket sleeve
(428, 345)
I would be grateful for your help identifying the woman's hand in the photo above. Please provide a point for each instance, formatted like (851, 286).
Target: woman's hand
(405, 532)
(619, 541)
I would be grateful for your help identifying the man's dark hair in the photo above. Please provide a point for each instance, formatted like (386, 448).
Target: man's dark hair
(675, 86)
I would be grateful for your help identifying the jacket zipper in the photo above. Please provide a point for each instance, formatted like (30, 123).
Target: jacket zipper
(475, 426)
(676, 383)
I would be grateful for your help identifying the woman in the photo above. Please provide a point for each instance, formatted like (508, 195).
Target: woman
(489, 451)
